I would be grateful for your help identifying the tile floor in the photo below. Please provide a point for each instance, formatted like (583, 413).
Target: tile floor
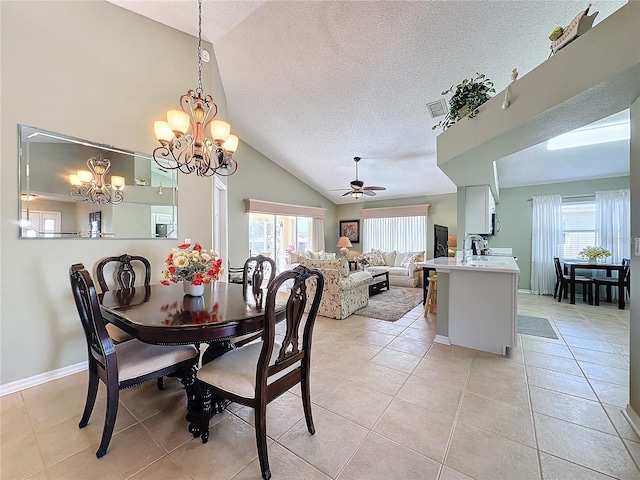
(389, 404)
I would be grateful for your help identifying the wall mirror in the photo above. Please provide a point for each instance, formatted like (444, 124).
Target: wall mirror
(61, 196)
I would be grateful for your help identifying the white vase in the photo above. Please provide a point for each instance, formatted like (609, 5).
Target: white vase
(193, 290)
(592, 260)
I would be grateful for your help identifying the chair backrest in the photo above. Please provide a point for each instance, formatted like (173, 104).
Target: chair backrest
(292, 350)
(99, 344)
(254, 274)
(626, 272)
(559, 274)
(124, 273)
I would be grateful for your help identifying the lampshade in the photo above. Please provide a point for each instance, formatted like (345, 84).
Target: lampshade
(452, 242)
(220, 131)
(344, 242)
(178, 121)
(230, 144)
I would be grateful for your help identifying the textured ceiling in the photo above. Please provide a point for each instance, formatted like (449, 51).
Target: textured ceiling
(311, 84)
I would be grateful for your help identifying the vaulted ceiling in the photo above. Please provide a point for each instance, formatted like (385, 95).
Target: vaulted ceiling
(312, 84)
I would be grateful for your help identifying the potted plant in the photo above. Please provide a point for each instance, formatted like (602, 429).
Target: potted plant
(467, 97)
(592, 254)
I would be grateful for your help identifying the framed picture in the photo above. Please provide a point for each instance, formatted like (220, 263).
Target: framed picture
(350, 229)
(95, 224)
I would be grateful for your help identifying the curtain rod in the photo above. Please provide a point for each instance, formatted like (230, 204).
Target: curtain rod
(584, 195)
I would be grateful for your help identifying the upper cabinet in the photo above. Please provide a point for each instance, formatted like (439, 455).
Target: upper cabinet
(479, 209)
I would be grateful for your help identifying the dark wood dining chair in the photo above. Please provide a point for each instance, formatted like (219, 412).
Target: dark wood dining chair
(124, 276)
(254, 271)
(563, 283)
(610, 282)
(257, 373)
(119, 366)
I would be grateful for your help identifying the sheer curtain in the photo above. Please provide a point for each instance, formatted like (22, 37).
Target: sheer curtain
(613, 223)
(545, 242)
(317, 234)
(404, 234)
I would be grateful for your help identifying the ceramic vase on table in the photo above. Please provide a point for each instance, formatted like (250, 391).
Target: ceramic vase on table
(592, 260)
(193, 290)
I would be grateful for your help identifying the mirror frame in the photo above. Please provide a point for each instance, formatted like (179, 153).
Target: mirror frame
(101, 218)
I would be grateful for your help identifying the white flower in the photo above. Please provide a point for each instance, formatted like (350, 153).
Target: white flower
(205, 256)
(180, 261)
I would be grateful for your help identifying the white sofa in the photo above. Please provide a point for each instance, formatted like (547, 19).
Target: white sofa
(343, 293)
(401, 266)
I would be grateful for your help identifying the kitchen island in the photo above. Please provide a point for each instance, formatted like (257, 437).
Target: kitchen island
(477, 302)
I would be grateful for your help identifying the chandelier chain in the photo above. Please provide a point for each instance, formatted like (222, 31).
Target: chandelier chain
(199, 89)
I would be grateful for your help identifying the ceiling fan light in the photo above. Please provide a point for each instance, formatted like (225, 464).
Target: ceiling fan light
(356, 194)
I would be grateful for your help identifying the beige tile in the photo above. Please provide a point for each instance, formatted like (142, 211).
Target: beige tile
(499, 366)
(498, 418)
(129, 452)
(20, 456)
(551, 362)
(381, 378)
(163, 469)
(423, 393)
(361, 350)
(499, 388)
(376, 338)
(577, 444)
(170, 429)
(335, 441)
(10, 403)
(380, 459)
(282, 414)
(451, 474)
(387, 327)
(560, 382)
(437, 371)
(634, 449)
(407, 345)
(339, 367)
(231, 446)
(451, 353)
(621, 423)
(357, 403)
(283, 465)
(556, 348)
(471, 448)
(401, 361)
(605, 373)
(146, 400)
(419, 334)
(601, 358)
(554, 468)
(571, 408)
(322, 385)
(611, 393)
(578, 331)
(422, 429)
(590, 344)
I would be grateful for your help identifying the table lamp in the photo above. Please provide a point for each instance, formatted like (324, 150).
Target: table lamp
(452, 243)
(344, 243)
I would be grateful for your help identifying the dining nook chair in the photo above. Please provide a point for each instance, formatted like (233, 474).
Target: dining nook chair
(123, 365)
(563, 283)
(259, 372)
(610, 282)
(254, 271)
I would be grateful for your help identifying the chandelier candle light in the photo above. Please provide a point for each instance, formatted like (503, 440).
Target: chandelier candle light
(90, 185)
(194, 152)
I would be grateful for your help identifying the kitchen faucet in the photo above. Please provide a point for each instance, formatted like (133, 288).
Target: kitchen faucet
(471, 237)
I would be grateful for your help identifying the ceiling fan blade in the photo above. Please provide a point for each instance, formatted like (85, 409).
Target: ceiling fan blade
(374, 188)
(369, 192)
(344, 195)
(337, 189)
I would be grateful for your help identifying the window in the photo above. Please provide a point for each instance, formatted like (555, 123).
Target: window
(578, 227)
(404, 234)
(276, 235)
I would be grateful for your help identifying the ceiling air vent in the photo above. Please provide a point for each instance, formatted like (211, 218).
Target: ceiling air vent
(438, 109)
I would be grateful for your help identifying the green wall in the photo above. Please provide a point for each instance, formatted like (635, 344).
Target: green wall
(515, 212)
(442, 211)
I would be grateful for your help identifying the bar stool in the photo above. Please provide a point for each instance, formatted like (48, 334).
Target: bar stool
(431, 306)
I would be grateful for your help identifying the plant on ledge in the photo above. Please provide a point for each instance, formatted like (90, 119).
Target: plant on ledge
(593, 253)
(467, 97)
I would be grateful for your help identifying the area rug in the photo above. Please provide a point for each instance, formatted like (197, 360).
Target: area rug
(390, 305)
(539, 327)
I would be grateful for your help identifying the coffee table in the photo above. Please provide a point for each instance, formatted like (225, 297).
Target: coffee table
(378, 282)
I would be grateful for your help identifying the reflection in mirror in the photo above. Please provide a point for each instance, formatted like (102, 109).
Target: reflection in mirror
(54, 168)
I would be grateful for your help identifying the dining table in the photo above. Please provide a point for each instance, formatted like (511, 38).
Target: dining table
(571, 267)
(164, 315)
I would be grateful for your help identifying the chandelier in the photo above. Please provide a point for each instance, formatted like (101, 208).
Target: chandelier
(195, 152)
(90, 185)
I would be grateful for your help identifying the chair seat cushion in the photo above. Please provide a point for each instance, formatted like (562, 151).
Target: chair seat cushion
(235, 371)
(136, 358)
(117, 334)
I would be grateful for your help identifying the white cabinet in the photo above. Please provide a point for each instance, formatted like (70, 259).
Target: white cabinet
(479, 209)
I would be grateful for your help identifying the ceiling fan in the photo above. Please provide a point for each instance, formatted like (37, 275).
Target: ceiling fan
(357, 186)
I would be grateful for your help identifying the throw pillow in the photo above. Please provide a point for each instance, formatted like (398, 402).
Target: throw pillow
(400, 256)
(376, 258)
(389, 258)
(411, 258)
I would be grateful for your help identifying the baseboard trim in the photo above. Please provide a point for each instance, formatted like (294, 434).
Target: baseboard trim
(522, 290)
(29, 382)
(442, 339)
(633, 418)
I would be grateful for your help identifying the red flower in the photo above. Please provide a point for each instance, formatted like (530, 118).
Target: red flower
(184, 246)
(206, 280)
(164, 282)
(171, 269)
(197, 247)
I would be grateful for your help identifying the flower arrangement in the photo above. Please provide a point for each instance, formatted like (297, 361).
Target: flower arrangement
(593, 253)
(467, 97)
(364, 259)
(291, 248)
(192, 264)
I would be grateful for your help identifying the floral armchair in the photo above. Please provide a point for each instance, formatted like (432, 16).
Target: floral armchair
(343, 294)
